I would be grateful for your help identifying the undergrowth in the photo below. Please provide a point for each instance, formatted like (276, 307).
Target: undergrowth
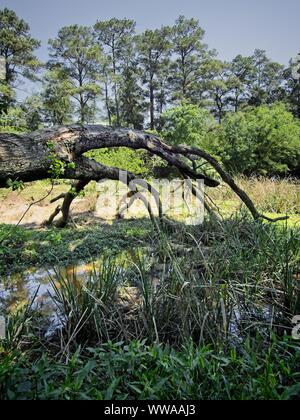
(199, 313)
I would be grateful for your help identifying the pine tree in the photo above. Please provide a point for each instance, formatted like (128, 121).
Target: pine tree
(17, 48)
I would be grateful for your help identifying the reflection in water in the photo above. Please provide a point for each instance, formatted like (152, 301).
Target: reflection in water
(39, 288)
(35, 284)
(20, 289)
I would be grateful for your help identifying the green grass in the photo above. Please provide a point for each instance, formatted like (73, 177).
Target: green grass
(271, 196)
(180, 341)
(23, 248)
(293, 221)
(218, 326)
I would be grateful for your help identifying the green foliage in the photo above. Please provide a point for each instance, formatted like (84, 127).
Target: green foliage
(131, 99)
(33, 109)
(140, 372)
(204, 313)
(56, 97)
(136, 162)
(257, 141)
(14, 121)
(242, 73)
(115, 38)
(291, 92)
(264, 140)
(57, 167)
(7, 96)
(17, 49)
(135, 74)
(15, 185)
(217, 282)
(84, 306)
(266, 81)
(218, 84)
(76, 57)
(190, 52)
(188, 124)
(24, 248)
(154, 50)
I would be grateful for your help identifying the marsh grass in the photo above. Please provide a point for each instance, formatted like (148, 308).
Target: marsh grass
(84, 307)
(219, 284)
(270, 195)
(201, 313)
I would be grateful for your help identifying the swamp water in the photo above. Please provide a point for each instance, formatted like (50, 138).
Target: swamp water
(37, 287)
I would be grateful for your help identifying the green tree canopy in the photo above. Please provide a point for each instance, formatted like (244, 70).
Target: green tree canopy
(56, 97)
(189, 55)
(153, 51)
(188, 124)
(263, 140)
(292, 91)
(13, 121)
(75, 54)
(115, 37)
(266, 81)
(17, 48)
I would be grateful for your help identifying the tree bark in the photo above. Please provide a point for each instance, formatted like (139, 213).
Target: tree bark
(77, 187)
(151, 96)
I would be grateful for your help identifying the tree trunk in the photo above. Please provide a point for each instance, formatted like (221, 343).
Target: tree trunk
(151, 94)
(107, 105)
(77, 187)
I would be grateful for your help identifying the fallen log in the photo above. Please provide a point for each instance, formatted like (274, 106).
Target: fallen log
(31, 157)
(28, 157)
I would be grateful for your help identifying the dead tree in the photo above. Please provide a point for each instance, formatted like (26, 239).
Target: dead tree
(29, 157)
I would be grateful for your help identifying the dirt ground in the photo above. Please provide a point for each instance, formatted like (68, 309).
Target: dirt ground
(14, 204)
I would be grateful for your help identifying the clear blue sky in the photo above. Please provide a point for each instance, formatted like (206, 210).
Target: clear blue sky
(232, 26)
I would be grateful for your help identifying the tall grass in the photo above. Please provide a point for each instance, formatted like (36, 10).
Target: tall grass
(203, 313)
(84, 308)
(217, 283)
(270, 195)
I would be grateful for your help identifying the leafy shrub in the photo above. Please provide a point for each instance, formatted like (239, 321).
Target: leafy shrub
(188, 124)
(139, 163)
(13, 122)
(261, 141)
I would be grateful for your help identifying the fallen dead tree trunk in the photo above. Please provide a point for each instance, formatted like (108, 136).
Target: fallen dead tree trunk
(33, 156)
(26, 157)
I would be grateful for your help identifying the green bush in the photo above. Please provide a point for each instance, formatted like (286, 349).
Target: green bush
(138, 162)
(260, 141)
(13, 122)
(189, 124)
